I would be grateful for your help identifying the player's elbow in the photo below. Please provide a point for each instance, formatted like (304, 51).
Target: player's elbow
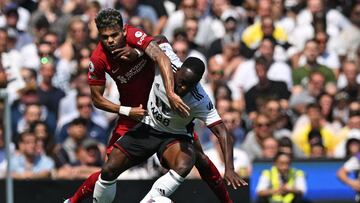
(159, 39)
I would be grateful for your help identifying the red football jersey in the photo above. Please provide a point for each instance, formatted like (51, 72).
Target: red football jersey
(133, 79)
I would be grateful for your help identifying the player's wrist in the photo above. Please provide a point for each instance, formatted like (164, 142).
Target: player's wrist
(124, 110)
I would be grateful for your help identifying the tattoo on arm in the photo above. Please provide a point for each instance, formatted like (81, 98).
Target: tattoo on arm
(153, 50)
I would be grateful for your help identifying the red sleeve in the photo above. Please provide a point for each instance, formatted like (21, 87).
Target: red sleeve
(96, 73)
(137, 38)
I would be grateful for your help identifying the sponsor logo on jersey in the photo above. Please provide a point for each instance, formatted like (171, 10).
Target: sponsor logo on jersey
(91, 67)
(114, 71)
(141, 39)
(133, 71)
(138, 34)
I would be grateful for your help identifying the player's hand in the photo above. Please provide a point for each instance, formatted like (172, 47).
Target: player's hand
(178, 105)
(125, 53)
(232, 178)
(137, 113)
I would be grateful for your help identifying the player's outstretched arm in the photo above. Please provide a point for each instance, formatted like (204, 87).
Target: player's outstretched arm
(102, 103)
(154, 51)
(226, 144)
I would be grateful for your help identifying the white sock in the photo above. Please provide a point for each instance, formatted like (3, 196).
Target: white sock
(164, 186)
(104, 191)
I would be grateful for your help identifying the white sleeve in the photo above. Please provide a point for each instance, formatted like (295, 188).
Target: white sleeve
(169, 52)
(208, 114)
(352, 164)
(263, 184)
(300, 184)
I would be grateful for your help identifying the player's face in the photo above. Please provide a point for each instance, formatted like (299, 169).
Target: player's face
(112, 37)
(185, 81)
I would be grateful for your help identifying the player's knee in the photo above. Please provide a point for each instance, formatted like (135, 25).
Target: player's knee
(183, 167)
(108, 172)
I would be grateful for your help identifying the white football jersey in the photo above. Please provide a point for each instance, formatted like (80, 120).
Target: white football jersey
(162, 118)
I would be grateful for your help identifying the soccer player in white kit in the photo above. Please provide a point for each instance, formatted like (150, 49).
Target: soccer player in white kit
(169, 135)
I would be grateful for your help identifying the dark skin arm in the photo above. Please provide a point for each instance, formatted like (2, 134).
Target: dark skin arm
(226, 144)
(154, 51)
(97, 92)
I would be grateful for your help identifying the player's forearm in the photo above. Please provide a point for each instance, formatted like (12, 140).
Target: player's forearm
(343, 176)
(106, 105)
(167, 74)
(154, 51)
(226, 144)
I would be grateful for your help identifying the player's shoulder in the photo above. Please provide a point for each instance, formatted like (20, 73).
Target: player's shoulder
(133, 32)
(200, 96)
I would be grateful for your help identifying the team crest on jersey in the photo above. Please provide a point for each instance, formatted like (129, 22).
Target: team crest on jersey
(138, 34)
(91, 67)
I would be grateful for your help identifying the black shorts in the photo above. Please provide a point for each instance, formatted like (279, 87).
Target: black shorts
(142, 141)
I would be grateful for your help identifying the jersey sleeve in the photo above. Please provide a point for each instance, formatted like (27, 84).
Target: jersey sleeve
(352, 164)
(137, 38)
(206, 112)
(96, 73)
(169, 52)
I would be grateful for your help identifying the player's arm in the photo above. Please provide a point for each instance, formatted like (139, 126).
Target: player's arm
(343, 176)
(153, 50)
(226, 144)
(97, 92)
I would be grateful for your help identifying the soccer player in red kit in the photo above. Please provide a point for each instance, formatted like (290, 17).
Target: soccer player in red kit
(134, 79)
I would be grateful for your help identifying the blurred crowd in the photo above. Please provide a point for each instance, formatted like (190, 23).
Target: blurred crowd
(283, 75)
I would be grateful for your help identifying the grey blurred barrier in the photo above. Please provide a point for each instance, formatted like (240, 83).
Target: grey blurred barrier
(7, 132)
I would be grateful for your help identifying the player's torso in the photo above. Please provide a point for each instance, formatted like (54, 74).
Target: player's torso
(162, 118)
(133, 79)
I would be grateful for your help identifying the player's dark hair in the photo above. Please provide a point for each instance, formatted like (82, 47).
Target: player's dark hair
(108, 18)
(196, 65)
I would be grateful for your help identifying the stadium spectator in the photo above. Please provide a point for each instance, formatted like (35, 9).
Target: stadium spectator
(21, 117)
(89, 159)
(96, 124)
(265, 89)
(282, 183)
(301, 136)
(53, 14)
(66, 153)
(269, 147)
(255, 138)
(28, 164)
(348, 132)
(254, 34)
(49, 95)
(187, 9)
(349, 80)
(301, 74)
(348, 40)
(245, 76)
(11, 63)
(129, 8)
(45, 140)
